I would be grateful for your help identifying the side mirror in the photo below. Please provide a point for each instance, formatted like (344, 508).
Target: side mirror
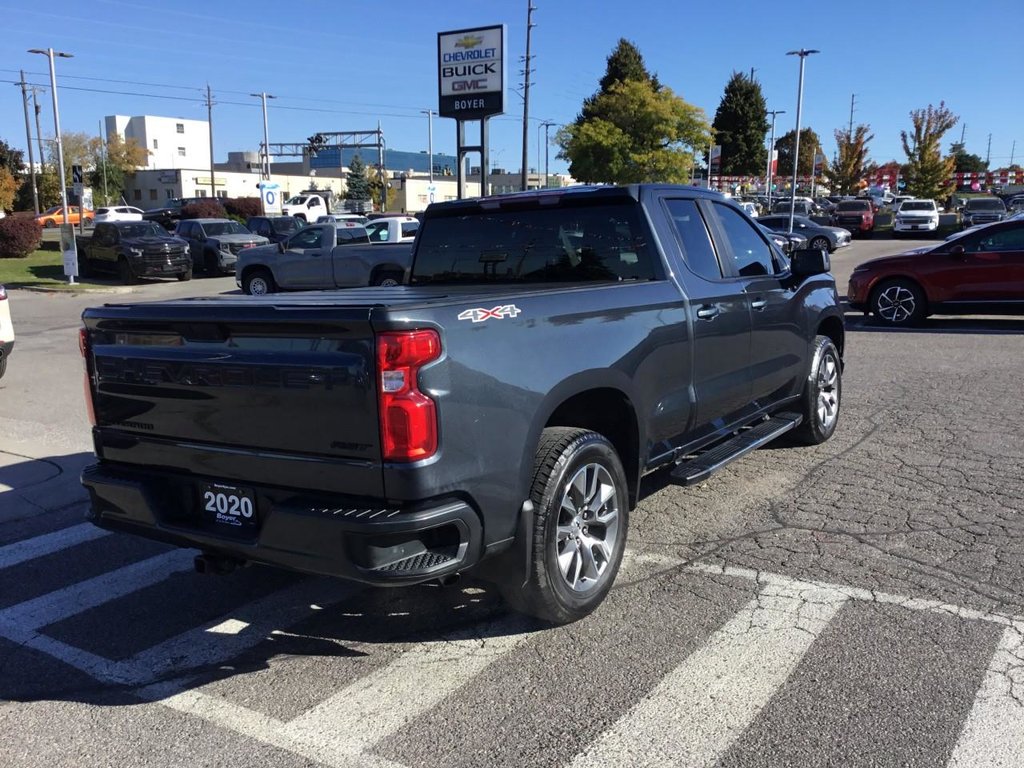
(805, 262)
(957, 250)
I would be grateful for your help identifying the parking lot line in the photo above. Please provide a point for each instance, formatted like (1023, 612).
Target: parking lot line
(30, 549)
(699, 709)
(993, 734)
(62, 603)
(372, 708)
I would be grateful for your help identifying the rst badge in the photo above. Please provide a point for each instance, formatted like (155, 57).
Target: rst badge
(479, 314)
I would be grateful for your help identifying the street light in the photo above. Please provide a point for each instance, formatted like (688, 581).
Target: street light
(803, 53)
(49, 53)
(266, 145)
(430, 138)
(771, 153)
(547, 145)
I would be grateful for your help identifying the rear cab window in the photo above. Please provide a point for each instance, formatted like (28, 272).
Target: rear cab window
(575, 241)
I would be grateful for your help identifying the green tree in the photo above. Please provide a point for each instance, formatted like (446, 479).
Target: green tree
(851, 159)
(965, 162)
(10, 158)
(78, 150)
(634, 128)
(358, 184)
(927, 171)
(111, 163)
(809, 144)
(741, 121)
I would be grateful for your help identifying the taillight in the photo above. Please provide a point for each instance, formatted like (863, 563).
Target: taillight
(85, 347)
(408, 418)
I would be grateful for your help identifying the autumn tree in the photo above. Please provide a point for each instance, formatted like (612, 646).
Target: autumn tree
(9, 184)
(741, 121)
(927, 171)
(809, 144)
(633, 129)
(851, 159)
(110, 163)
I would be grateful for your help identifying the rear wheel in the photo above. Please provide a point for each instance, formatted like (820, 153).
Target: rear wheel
(822, 396)
(124, 271)
(258, 282)
(899, 302)
(387, 279)
(50, 224)
(581, 516)
(821, 244)
(3, 366)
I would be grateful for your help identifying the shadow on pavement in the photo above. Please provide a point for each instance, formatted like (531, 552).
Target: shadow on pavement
(858, 322)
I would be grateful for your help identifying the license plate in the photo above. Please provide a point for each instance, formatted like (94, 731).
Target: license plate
(229, 506)
(915, 226)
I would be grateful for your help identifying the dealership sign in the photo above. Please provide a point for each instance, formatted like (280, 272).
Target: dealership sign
(471, 73)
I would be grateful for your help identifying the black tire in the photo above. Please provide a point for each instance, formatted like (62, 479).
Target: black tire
(210, 265)
(84, 268)
(3, 366)
(254, 279)
(387, 278)
(562, 455)
(821, 243)
(124, 271)
(899, 302)
(823, 394)
(186, 275)
(50, 224)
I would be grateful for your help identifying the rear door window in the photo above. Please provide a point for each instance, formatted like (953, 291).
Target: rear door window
(694, 240)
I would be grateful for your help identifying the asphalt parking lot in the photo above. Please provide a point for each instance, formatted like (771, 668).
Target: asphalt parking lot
(859, 603)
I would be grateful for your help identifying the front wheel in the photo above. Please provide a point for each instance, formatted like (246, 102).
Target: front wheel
(581, 516)
(899, 302)
(821, 244)
(124, 271)
(387, 279)
(186, 275)
(823, 390)
(258, 283)
(50, 224)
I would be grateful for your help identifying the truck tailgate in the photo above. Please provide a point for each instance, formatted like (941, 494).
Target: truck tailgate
(274, 394)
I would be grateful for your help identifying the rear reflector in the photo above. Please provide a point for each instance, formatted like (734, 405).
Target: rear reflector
(408, 418)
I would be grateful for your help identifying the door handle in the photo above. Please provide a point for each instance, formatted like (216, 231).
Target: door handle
(759, 304)
(708, 312)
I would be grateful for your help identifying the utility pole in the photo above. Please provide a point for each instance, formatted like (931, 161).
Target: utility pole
(530, 8)
(39, 131)
(963, 133)
(752, 71)
(988, 152)
(430, 138)
(853, 100)
(103, 158)
(209, 124)
(28, 138)
(771, 154)
(265, 166)
(1013, 150)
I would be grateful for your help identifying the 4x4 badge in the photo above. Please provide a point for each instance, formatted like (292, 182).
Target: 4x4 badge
(479, 314)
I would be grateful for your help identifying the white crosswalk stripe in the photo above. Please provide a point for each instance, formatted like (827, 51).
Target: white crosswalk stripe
(30, 549)
(700, 708)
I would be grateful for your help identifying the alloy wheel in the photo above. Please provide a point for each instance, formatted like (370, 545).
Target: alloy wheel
(896, 304)
(828, 390)
(588, 528)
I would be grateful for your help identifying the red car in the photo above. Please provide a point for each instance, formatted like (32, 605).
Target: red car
(978, 272)
(858, 216)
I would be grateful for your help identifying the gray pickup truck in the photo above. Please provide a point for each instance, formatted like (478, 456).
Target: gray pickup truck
(322, 256)
(495, 415)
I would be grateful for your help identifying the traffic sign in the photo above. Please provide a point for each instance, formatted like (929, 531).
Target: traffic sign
(271, 194)
(76, 175)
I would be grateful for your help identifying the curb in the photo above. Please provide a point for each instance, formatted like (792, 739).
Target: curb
(77, 291)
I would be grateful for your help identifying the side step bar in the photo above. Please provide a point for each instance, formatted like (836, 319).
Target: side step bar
(697, 469)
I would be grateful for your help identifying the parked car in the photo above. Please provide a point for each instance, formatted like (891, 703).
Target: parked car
(118, 213)
(133, 249)
(788, 242)
(749, 207)
(54, 217)
(982, 210)
(825, 205)
(900, 200)
(800, 207)
(495, 416)
(307, 206)
(6, 331)
(980, 271)
(322, 256)
(337, 218)
(167, 216)
(393, 229)
(216, 243)
(819, 236)
(857, 216)
(276, 229)
(916, 216)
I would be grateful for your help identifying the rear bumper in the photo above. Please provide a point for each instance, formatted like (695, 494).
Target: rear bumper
(332, 536)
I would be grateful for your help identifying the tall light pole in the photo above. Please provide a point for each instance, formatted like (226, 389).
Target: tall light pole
(771, 152)
(265, 168)
(430, 138)
(547, 144)
(803, 53)
(49, 53)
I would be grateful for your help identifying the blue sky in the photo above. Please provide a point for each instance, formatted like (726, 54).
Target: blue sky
(342, 66)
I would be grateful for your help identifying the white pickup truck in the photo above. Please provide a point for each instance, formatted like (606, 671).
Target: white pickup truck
(307, 207)
(393, 229)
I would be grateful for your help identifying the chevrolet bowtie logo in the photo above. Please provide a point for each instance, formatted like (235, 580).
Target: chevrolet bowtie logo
(469, 41)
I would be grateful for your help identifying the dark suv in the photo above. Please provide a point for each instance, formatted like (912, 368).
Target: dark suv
(982, 210)
(169, 215)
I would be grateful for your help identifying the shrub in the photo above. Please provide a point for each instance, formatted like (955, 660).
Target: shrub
(18, 237)
(243, 207)
(204, 209)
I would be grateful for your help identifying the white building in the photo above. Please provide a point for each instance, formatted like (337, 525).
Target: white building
(173, 142)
